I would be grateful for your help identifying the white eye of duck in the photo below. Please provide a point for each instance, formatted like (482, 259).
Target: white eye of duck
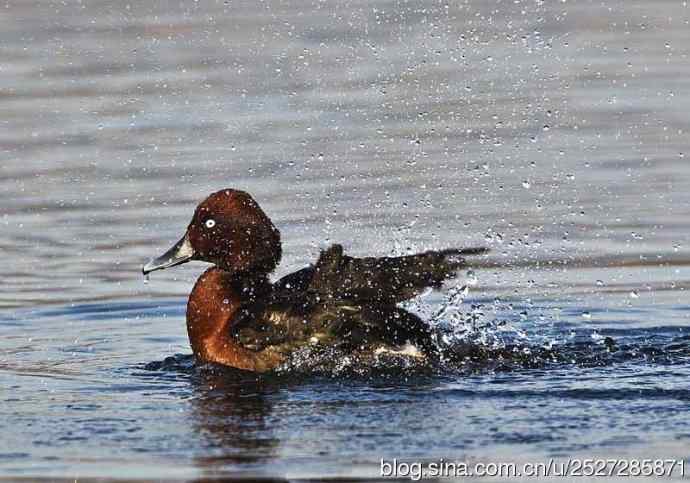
(210, 223)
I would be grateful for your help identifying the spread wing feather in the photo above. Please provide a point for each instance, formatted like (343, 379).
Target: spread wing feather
(386, 280)
(351, 301)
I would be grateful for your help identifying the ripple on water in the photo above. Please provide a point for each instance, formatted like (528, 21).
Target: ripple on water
(550, 382)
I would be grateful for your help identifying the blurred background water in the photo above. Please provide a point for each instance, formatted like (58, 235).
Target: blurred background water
(555, 133)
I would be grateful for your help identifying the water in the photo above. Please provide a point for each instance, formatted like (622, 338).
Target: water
(554, 132)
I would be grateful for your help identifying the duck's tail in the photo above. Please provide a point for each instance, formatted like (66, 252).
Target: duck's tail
(386, 279)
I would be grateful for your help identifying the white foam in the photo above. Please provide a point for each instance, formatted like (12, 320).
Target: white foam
(408, 349)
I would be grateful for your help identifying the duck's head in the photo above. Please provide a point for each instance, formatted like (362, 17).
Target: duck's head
(230, 230)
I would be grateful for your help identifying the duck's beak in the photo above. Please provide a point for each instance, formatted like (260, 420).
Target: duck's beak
(180, 253)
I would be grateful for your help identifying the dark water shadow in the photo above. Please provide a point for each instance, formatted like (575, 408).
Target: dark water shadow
(236, 415)
(461, 359)
(231, 410)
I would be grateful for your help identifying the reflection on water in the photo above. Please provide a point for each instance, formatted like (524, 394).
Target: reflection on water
(553, 132)
(141, 403)
(234, 418)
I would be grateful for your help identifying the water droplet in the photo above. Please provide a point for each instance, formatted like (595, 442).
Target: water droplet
(600, 283)
(472, 279)
(526, 184)
(634, 294)
(586, 315)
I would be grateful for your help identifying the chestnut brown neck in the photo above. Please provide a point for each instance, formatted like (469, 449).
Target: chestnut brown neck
(213, 306)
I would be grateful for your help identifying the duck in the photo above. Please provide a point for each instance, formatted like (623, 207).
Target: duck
(237, 317)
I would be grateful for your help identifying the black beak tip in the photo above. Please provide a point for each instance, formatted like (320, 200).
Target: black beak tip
(180, 253)
(149, 267)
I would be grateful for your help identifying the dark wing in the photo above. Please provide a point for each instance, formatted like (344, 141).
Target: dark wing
(384, 280)
(349, 301)
(334, 324)
(293, 284)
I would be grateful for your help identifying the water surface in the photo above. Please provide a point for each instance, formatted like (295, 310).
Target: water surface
(555, 133)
